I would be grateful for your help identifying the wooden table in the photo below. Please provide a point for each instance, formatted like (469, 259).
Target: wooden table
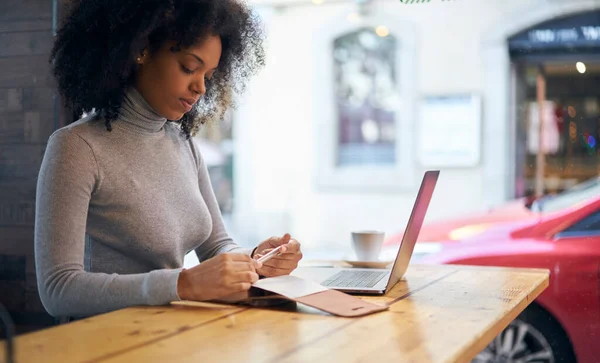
(441, 313)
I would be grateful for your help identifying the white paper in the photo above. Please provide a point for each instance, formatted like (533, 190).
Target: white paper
(289, 286)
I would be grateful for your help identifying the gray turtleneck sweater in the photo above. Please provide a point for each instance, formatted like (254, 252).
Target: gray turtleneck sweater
(117, 211)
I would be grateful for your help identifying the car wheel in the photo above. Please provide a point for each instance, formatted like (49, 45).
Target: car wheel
(534, 336)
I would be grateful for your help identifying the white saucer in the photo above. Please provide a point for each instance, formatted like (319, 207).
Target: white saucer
(369, 264)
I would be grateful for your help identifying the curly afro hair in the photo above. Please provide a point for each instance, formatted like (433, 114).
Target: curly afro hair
(93, 58)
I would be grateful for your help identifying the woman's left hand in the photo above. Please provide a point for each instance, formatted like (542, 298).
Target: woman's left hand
(283, 264)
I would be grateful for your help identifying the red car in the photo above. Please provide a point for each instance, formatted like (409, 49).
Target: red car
(458, 228)
(560, 233)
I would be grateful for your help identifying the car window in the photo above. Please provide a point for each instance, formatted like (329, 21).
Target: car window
(589, 226)
(569, 198)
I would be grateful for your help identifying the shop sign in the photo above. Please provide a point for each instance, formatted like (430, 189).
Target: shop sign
(582, 30)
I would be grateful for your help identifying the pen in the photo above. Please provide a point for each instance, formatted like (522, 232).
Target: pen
(268, 256)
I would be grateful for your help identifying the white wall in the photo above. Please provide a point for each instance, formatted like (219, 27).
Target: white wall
(277, 133)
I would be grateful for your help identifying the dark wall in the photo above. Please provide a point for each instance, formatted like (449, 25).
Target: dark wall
(30, 110)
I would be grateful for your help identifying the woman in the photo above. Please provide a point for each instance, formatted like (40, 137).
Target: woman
(123, 194)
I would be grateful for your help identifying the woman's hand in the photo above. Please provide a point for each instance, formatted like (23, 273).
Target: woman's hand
(282, 264)
(219, 277)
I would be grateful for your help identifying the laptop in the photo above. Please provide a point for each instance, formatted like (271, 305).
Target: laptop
(378, 281)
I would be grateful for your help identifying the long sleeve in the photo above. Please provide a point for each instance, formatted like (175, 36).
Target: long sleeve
(218, 241)
(68, 178)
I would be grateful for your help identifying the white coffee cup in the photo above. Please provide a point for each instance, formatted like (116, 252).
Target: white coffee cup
(367, 244)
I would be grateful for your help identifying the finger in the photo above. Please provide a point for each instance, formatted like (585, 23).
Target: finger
(239, 257)
(292, 247)
(289, 264)
(241, 286)
(264, 252)
(258, 264)
(281, 249)
(297, 256)
(284, 259)
(271, 271)
(245, 276)
(277, 241)
(238, 266)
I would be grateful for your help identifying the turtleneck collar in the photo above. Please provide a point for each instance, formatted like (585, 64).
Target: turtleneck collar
(136, 113)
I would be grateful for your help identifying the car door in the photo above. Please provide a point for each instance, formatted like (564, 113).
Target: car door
(577, 274)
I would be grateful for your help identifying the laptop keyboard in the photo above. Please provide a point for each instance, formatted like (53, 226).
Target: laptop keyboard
(361, 278)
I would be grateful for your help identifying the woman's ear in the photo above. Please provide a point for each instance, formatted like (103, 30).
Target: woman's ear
(142, 57)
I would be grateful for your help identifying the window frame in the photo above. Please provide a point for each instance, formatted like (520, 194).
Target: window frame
(392, 177)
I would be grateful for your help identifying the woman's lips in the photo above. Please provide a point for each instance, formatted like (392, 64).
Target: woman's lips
(187, 105)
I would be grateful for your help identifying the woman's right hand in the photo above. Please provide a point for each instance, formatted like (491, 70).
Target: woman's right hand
(218, 277)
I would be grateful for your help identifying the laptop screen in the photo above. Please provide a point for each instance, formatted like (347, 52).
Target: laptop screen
(413, 226)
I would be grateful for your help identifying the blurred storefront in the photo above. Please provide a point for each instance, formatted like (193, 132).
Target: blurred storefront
(565, 53)
(359, 98)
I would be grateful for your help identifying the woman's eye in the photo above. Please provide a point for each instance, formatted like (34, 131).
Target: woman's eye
(185, 70)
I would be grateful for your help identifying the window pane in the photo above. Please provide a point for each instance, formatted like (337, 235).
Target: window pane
(589, 224)
(571, 197)
(365, 81)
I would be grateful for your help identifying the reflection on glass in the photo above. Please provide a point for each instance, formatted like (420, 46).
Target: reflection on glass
(564, 51)
(365, 82)
(571, 125)
(569, 198)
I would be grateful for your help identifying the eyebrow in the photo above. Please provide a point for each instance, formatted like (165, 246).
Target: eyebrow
(197, 58)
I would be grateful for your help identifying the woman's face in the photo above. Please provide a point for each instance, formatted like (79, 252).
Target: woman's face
(172, 82)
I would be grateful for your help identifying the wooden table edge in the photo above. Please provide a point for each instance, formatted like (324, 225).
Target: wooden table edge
(479, 344)
(482, 341)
